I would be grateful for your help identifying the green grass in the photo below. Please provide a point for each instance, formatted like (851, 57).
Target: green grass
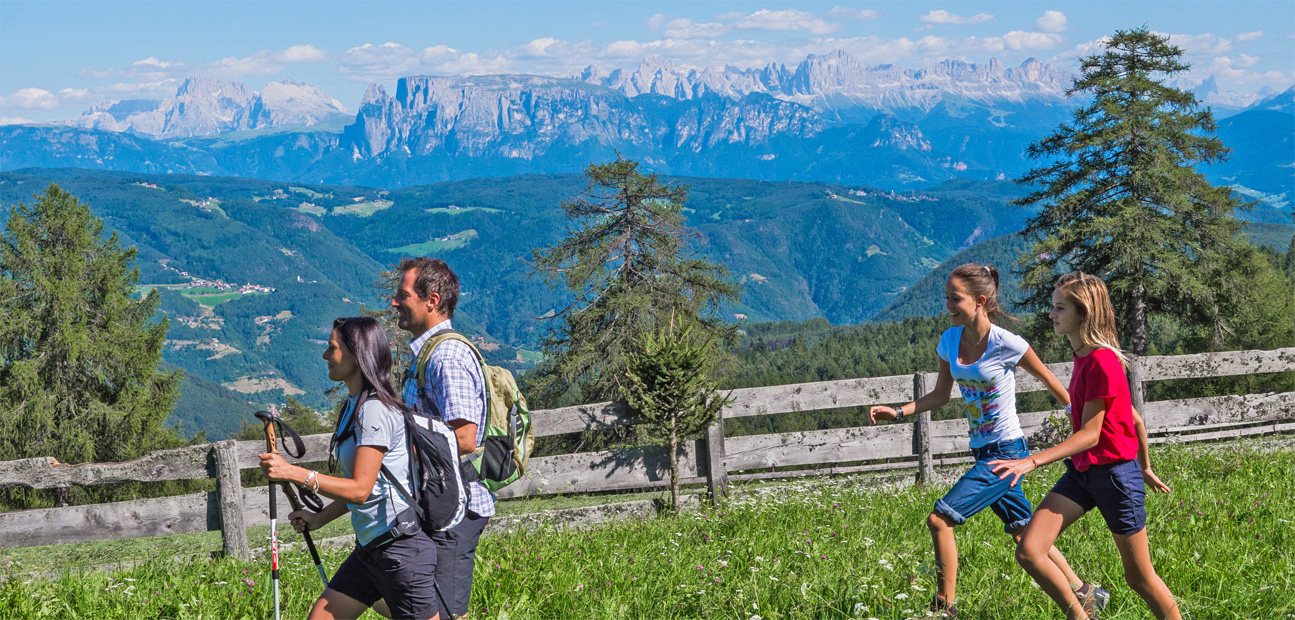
(530, 357)
(436, 245)
(1222, 542)
(363, 209)
(206, 295)
(462, 210)
(313, 210)
(308, 192)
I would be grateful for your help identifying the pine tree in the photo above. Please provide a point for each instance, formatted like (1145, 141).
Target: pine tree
(1121, 197)
(630, 263)
(79, 378)
(668, 387)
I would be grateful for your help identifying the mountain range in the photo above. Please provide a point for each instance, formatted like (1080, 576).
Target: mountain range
(829, 118)
(205, 106)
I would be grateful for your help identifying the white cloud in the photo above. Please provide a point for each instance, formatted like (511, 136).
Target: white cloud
(152, 62)
(1233, 72)
(1199, 44)
(264, 62)
(686, 28)
(539, 47)
(1019, 40)
(941, 16)
(31, 99)
(14, 120)
(372, 63)
(859, 14)
(791, 19)
(1247, 37)
(1052, 21)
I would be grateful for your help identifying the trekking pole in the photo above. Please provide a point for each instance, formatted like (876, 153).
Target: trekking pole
(310, 498)
(310, 544)
(268, 418)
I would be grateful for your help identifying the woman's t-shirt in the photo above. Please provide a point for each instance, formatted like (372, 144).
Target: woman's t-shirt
(1100, 375)
(989, 385)
(379, 427)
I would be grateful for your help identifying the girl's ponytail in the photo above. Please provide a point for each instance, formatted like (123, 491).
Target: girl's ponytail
(982, 280)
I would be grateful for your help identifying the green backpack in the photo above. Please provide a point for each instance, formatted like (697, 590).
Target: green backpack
(509, 437)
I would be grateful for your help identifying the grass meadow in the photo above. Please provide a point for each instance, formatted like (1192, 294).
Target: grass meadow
(1224, 542)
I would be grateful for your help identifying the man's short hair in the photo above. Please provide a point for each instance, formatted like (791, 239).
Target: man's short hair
(434, 276)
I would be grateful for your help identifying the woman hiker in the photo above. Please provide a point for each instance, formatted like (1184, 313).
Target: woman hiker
(393, 559)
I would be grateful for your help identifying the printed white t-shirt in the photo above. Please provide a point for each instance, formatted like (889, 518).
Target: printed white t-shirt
(989, 385)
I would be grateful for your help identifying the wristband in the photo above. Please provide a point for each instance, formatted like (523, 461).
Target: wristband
(1066, 408)
(899, 413)
(1034, 463)
(312, 482)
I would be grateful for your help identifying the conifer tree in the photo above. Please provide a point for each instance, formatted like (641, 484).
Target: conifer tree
(79, 356)
(668, 387)
(630, 264)
(1121, 197)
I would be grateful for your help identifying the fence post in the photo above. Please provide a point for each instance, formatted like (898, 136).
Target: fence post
(1137, 389)
(716, 461)
(922, 434)
(229, 488)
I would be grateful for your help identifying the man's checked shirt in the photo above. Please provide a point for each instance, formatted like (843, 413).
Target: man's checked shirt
(454, 384)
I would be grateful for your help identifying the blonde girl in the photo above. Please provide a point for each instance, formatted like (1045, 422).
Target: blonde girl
(981, 357)
(1107, 463)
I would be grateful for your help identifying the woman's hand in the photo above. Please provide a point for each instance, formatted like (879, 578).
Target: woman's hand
(1016, 469)
(882, 412)
(1153, 481)
(277, 469)
(305, 521)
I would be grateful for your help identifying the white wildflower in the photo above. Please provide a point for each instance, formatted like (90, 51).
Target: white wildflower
(901, 596)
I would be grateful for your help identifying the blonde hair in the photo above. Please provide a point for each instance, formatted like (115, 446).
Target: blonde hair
(982, 280)
(1088, 293)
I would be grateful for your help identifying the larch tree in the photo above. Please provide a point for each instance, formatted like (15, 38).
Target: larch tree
(1121, 196)
(669, 388)
(79, 354)
(630, 264)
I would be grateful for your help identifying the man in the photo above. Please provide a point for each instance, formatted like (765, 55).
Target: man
(454, 391)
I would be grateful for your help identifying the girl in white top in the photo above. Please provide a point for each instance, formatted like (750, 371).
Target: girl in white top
(982, 357)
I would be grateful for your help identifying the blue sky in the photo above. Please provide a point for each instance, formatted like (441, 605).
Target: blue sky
(59, 58)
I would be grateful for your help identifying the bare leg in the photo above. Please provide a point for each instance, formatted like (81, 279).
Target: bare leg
(946, 555)
(333, 605)
(1135, 553)
(1054, 554)
(1054, 515)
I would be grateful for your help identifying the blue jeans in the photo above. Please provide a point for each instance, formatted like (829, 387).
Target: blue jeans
(980, 488)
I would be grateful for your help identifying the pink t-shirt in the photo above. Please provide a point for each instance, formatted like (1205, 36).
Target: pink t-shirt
(1100, 375)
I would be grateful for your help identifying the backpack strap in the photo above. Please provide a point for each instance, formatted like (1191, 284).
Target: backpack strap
(341, 434)
(425, 356)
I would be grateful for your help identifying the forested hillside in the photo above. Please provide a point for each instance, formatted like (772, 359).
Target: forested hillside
(801, 251)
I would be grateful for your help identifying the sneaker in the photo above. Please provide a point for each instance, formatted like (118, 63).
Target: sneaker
(950, 610)
(1093, 598)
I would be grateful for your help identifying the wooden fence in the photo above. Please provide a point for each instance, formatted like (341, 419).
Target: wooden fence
(713, 459)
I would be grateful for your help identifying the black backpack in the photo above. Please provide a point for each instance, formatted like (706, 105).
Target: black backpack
(440, 494)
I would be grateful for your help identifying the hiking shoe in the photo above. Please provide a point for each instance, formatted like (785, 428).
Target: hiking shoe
(1092, 598)
(949, 610)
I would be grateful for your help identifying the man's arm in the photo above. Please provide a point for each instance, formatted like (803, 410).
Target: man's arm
(467, 435)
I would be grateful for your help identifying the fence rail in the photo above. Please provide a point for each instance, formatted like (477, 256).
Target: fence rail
(714, 459)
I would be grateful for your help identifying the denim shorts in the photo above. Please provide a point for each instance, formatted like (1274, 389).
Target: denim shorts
(981, 488)
(1116, 489)
(401, 572)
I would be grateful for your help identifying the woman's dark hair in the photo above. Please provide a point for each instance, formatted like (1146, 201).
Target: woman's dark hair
(366, 340)
(982, 280)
